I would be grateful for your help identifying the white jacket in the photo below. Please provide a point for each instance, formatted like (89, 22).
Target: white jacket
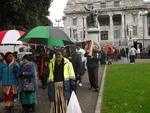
(132, 51)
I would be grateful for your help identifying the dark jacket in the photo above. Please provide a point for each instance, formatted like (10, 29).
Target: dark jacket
(103, 56)
(41, 65)
(76, 61)
(93, 62)
(123, 53)
(45, 73)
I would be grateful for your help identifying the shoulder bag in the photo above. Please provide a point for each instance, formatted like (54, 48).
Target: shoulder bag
(28, 86)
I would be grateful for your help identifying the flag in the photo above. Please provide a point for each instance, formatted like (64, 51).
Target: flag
(70, 32)
(119, 42)
(84, 33)
(127, 30)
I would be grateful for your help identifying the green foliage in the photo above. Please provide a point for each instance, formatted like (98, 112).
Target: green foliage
(126, 89)
(24, 14)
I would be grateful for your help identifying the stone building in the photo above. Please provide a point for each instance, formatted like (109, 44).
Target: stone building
(118, 23)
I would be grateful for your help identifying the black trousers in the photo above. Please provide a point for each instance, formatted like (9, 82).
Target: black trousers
(43, 80)
(132, 59)
(93, 76)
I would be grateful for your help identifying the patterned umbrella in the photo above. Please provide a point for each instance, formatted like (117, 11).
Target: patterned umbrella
(11, 37)
(47, 35)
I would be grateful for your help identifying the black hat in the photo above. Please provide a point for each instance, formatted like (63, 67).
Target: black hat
(26, 57)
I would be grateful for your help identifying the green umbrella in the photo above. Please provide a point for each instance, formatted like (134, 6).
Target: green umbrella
(47, 35)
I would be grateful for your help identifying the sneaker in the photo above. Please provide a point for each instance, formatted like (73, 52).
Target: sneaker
(80, 84)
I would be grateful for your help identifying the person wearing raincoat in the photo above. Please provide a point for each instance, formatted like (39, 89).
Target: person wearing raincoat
(61, 82)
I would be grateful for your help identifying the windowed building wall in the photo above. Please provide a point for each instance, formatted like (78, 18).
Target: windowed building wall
(117, 20)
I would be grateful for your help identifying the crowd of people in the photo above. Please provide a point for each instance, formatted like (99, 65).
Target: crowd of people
(60, 70)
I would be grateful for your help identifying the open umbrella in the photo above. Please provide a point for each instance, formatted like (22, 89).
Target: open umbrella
(47, 35)
(109, 48)
(11, 37)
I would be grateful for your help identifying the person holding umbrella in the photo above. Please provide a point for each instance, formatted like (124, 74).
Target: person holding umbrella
(42, 58)
(61, 82)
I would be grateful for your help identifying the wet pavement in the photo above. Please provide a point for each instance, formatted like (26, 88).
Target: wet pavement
(87, 97)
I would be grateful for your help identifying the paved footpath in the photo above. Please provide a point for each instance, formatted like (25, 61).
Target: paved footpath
(87, 98)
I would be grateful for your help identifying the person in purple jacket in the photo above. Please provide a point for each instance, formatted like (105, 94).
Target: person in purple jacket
(27, 73)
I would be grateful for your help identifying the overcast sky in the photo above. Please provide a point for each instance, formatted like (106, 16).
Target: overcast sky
(147, 1)
(56, 11)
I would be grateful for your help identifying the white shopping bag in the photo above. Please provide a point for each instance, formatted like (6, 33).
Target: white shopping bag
(73, 106)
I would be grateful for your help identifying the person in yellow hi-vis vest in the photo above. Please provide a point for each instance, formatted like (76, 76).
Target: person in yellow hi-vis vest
(61, 82)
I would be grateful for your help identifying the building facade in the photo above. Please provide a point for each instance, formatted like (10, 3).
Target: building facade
(118, 23)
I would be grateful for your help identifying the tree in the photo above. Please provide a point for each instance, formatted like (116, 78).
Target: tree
(24, 14)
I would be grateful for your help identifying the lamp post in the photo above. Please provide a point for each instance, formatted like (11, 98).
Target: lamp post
(143, 14)
(58, 20)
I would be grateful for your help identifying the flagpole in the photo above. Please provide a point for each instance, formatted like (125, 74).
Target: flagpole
(3, 48)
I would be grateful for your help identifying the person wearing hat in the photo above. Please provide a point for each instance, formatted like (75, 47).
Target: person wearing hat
(9, 68)
(27, 72)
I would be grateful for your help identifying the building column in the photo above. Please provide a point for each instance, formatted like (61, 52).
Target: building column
(145, 27)
(99, 29)
(84, 27)
(122, 27)
(111, 28)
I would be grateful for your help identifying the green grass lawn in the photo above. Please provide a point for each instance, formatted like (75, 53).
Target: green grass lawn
(127, 89)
